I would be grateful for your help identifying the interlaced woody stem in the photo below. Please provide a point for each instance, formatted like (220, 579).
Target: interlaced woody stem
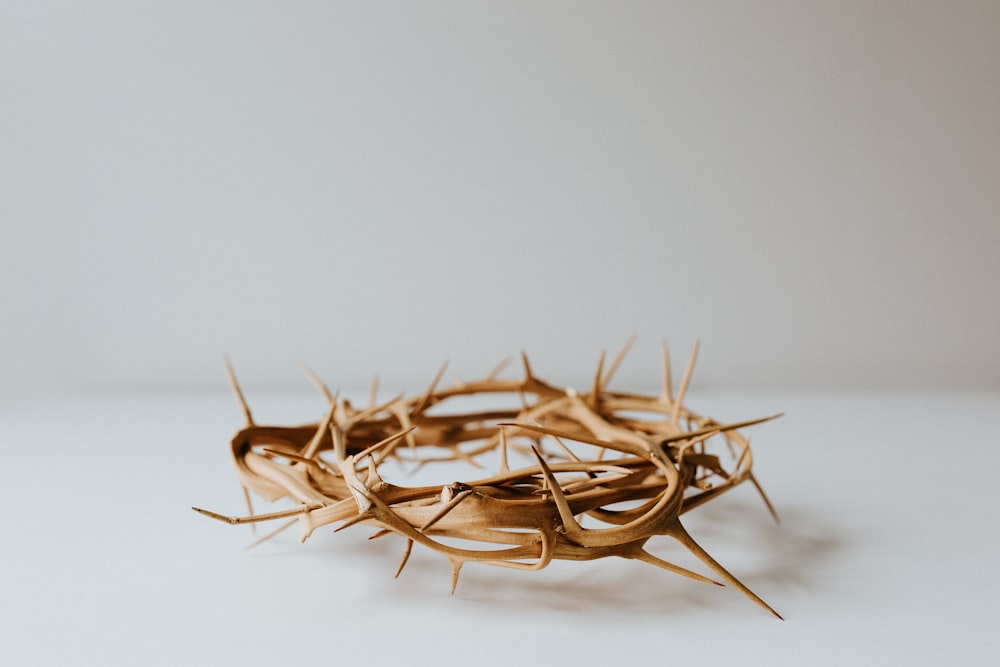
(650, 454)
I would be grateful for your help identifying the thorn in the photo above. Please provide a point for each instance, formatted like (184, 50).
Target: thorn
(646, 557)
(319, 384)
(406, 557)
(618, 360)
(685, 380)
(350, 522)
(339, 443)
(566, 450)
(715, 428)
(317, 439)
(246, 497)
(565, 513)
(373, 391)
(504, 468)
(596, 391)
(374, 479)
(492, 375)
(683, 449)
(594, 482)
(381, 533)
(371, 412)
(452, 504)
(430, 391)
(678, 533)
(666, 394)
(459, 455)
(270, 535)
(387, 441)
(239, 392)
(528, 375)
(456, 568)
(295, 458)
(763, 496)
(579, 437)
(744, 455)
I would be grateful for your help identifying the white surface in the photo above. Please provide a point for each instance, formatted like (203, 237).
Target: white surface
(886, 555)
(809, 188)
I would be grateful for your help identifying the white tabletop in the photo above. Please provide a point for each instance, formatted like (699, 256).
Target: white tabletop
(886, 553)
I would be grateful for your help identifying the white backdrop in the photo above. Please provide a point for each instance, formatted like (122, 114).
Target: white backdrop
(810, 189)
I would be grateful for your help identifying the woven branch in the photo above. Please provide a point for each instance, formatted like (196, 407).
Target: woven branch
(632, 464)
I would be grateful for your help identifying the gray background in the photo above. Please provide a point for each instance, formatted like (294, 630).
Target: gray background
(812, 189)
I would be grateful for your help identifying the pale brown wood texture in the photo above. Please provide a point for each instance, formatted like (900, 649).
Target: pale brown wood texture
(606, 472)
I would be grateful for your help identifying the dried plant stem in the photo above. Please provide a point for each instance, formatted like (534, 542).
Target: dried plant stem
(631, 464)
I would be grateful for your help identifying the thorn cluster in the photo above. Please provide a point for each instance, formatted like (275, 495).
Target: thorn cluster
(624, 468)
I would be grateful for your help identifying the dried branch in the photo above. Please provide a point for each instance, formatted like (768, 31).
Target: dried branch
(661, 463)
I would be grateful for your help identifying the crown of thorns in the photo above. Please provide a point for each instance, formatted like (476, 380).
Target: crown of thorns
(632, 464)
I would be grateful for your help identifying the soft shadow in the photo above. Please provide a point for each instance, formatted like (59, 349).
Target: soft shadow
(787, 555)
(773, 560)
